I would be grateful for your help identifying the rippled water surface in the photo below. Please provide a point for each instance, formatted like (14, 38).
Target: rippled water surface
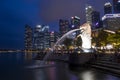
(21, 66)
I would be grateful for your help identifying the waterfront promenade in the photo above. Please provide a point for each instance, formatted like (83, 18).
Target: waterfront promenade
(102, 61)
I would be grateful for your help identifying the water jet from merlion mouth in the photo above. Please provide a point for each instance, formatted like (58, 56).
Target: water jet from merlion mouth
(85, 33)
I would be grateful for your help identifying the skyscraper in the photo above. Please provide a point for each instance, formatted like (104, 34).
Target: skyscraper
(111, 22)
(64, 26)
(28, 37)
(75, 22)
(92, 17)
(89, 10)
(54, 36)
(41, 37)
(38, 38)
(107, 8)
(116, 6)
(95, 19)
(46, 37)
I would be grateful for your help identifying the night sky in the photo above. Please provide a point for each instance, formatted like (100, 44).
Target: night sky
(14, 14)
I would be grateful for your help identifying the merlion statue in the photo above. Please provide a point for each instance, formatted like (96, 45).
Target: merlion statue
(85, 30)
(85, 33)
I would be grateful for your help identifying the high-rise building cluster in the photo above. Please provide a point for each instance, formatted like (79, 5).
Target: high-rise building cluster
(67, 25)
(111, 18)
(92, 17)
(107, 8)
(112, 8)
(64, 26)
(40, 38)
(28, 37)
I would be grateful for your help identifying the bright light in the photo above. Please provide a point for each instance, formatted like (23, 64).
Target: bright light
(96, 23)
(77, 17)
(118, 1)
(39, 26)
(88, 75)
(86, 37)
(89, 6)
(110, 16)
(109, 46)
(110, 31)
(73, 26)
(52, 32)
(74, 33)
(72, 17)
(93, 46)
(108, 3)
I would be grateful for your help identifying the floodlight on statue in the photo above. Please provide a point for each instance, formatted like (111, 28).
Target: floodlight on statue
(85, 30)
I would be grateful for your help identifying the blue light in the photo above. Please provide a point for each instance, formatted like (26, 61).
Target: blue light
(96, 23)
(118, 1)
(73, 26)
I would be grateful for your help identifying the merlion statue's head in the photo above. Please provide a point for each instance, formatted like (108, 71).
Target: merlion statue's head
(86, 28)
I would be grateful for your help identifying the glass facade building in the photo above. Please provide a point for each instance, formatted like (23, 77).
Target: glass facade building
(89, 11)
(107, 8)
(28, 37)
(111, 22)
(75, 22)
(64, 26)
(41, 37)
(95, 19)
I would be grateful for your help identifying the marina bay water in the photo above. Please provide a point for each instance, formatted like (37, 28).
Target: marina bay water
(13, 66)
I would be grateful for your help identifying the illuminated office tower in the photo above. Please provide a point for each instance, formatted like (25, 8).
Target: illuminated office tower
(46, 37)
(28, 37)
(54, 36)
(64, 26)
(41, 37)
(111, 22)
(89, 10)
(75, 22)
(92, 17)
(107, 8)
(95, 19)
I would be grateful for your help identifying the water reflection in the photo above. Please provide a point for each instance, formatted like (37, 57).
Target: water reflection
(12, 67)
(94, 74)
(110, 77)
(58, 72)
(28, 56)
(87, 75)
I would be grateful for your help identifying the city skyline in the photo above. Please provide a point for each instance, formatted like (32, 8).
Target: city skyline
(15, 14)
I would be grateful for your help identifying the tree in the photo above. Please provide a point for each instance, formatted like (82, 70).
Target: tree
(114, 39)
(102, 38)
(78, 41)
(67, 42)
